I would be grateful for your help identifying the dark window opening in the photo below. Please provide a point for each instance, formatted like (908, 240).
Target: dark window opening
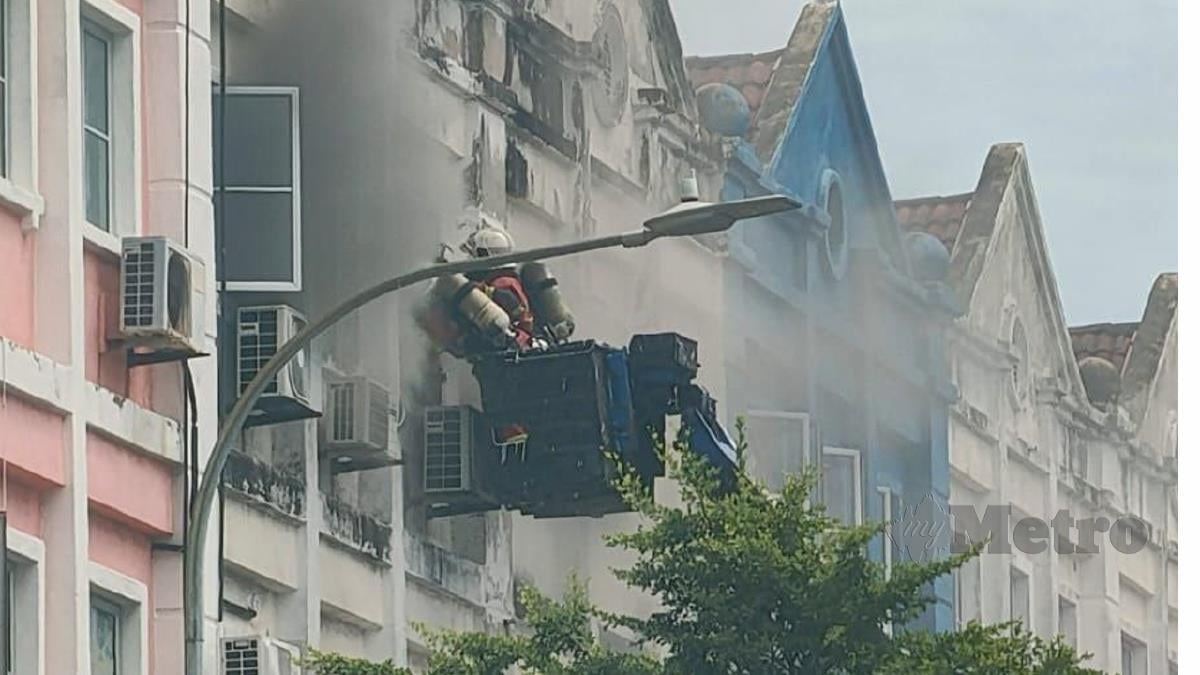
(516, 171)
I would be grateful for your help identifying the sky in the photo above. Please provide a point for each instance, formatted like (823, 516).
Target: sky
(1088, 87)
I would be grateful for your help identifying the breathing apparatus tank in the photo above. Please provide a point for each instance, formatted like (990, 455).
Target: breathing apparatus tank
(474, 306)
(549, 308)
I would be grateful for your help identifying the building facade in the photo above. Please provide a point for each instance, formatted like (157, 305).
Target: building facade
(344, 143)
(106, 137)
(834, 331)
(1054, 420)
(557, 122)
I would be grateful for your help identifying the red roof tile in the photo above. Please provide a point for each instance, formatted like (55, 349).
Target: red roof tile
(940, 216)
(748, 73)
(1109, 341)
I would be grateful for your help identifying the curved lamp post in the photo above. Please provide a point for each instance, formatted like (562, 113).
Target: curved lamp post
(688, 218)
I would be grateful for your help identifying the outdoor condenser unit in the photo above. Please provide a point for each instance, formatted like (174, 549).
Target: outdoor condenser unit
(162, 296)
(356, 425)
(261, 331)
(258, 655)
(455, 480)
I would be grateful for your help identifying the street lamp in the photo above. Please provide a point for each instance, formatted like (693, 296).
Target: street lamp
(690, 218)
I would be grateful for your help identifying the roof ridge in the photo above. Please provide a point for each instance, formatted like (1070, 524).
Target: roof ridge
(911, 201)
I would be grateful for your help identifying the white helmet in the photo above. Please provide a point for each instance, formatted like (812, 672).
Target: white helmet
(487, 242)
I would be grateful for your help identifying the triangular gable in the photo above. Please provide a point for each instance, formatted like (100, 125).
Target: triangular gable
(814, 111)
(1145, 359)
(668, 55)
(1006, 169)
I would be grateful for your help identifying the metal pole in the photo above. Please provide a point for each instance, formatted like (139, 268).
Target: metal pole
(193, 573)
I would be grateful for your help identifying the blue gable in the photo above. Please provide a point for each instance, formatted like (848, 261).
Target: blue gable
(829, 128)
(852, 342)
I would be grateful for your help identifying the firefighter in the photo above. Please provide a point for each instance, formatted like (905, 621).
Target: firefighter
(503, 284)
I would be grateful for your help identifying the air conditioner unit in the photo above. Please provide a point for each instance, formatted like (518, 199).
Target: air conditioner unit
(258, 655)
(162, 296)
(457, 444)
(356, 426)
(261, 331)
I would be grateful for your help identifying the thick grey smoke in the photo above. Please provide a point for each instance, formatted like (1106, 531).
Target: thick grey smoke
(379, 193)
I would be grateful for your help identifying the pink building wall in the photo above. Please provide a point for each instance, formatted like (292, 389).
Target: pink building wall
(129, 487)
(17, 255)
(33, 442)
(105, 362)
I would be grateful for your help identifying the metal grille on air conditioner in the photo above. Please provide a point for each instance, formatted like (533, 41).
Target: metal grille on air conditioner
(139, 289)
(258, 340)
(241, 657)
(358, 414)
(162, 295)
(258, 655)
(447, 443)
(341, 415)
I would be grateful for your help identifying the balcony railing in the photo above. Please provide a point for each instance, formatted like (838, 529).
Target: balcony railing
(362, 532)
(262, 483)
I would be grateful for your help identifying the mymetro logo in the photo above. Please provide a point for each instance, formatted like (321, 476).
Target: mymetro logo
(931, 530)
(921, 532)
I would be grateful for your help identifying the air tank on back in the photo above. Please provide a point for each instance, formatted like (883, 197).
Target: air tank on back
(456, 294)
(549, 308)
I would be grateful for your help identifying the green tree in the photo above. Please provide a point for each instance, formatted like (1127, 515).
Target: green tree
(751, 582)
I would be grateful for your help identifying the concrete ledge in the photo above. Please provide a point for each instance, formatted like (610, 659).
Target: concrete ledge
(34, 375)
(356, 589)
(130, 424)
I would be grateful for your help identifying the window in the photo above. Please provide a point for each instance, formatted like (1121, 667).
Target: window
(1135, 497)
(105, 638)
(778, 446)
(1067, 626)
(1019, 345)
(110, 86)
(4, 85)
(260, 203)
(841, 484)
(10, 615)
(97, 128)
(17, 135)
(20, 577)
(836, 236)
(1018, 592)
(1133, 655)
(889, 510)
(966, 592)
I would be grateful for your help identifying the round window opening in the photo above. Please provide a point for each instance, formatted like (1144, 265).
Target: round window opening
(1020, 366)
(835, 236)
(837, 221)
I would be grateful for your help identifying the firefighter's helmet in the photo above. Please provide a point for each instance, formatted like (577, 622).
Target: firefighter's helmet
(488, 241)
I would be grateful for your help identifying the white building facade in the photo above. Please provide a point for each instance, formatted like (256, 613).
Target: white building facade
(1053, 421)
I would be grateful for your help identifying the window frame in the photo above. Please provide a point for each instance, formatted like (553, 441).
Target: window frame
(296, 189)
(101, 604)
(858, 470)
(803, 418)
(1073, 637)
(974, 569)
(1015, 570)
(88, 27)
(123, 29)
(6, 87)
(1139, 654)
(130, 597)
(18, 184)
(836, 253)
(26, 558)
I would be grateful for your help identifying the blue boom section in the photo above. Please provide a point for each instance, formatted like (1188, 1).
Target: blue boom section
(560, 417)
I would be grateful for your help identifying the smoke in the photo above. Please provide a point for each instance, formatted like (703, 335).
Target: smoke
(379, 191)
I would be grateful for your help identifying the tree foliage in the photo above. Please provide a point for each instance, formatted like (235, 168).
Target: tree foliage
(750, 582)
